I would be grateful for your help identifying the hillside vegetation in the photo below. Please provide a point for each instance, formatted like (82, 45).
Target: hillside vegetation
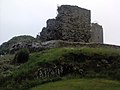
(5, 47)
(80, 84)
(59, 63)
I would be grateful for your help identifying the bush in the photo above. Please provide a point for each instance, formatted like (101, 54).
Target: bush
(21, 56)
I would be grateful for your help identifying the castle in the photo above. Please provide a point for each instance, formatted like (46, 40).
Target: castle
(72, 24)
(71, 27)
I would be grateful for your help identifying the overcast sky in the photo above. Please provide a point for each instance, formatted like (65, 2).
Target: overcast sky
(28, 17)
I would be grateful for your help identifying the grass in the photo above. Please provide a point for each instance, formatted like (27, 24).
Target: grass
(6, 58)
(5, 67)
(51, 55)
(80, 84)
(67, 55)
(55, 54)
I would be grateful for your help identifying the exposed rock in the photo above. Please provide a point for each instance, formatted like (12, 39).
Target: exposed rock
(19, 42)
(32, 47)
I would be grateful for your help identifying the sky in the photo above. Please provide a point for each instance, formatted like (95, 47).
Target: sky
(28, 17)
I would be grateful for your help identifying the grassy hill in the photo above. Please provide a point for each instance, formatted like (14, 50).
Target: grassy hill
(80, 84)
(24, 39)
(60, 63)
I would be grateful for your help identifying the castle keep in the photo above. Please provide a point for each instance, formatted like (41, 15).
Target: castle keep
(72, 24)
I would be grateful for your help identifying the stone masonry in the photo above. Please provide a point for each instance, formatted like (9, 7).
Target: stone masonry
(96, 33)
(72, 24)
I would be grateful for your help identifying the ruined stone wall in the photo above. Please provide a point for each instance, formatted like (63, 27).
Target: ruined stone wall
(96, 33)
(71, 24)
(75, 23)
(60, 43)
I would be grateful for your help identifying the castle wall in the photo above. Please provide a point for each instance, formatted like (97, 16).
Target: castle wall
(75, 23)
(96, 33)
(71, 24)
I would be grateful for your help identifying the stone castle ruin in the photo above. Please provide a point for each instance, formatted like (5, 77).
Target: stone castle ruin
(72, 24)
(71, 27)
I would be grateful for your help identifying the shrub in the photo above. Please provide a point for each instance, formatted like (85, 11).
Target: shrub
(21, 56)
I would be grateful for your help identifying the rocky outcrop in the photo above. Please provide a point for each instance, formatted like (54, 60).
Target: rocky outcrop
(32, 47)
(19, 42)
(71, 24)
(57, 71)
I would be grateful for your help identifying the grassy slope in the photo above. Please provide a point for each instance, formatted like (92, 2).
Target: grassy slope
(52, 55)
(80, 84)
(56, 54)
(5, 67)
(49, 56)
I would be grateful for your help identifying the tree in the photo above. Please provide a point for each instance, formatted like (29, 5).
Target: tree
(21, 56)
